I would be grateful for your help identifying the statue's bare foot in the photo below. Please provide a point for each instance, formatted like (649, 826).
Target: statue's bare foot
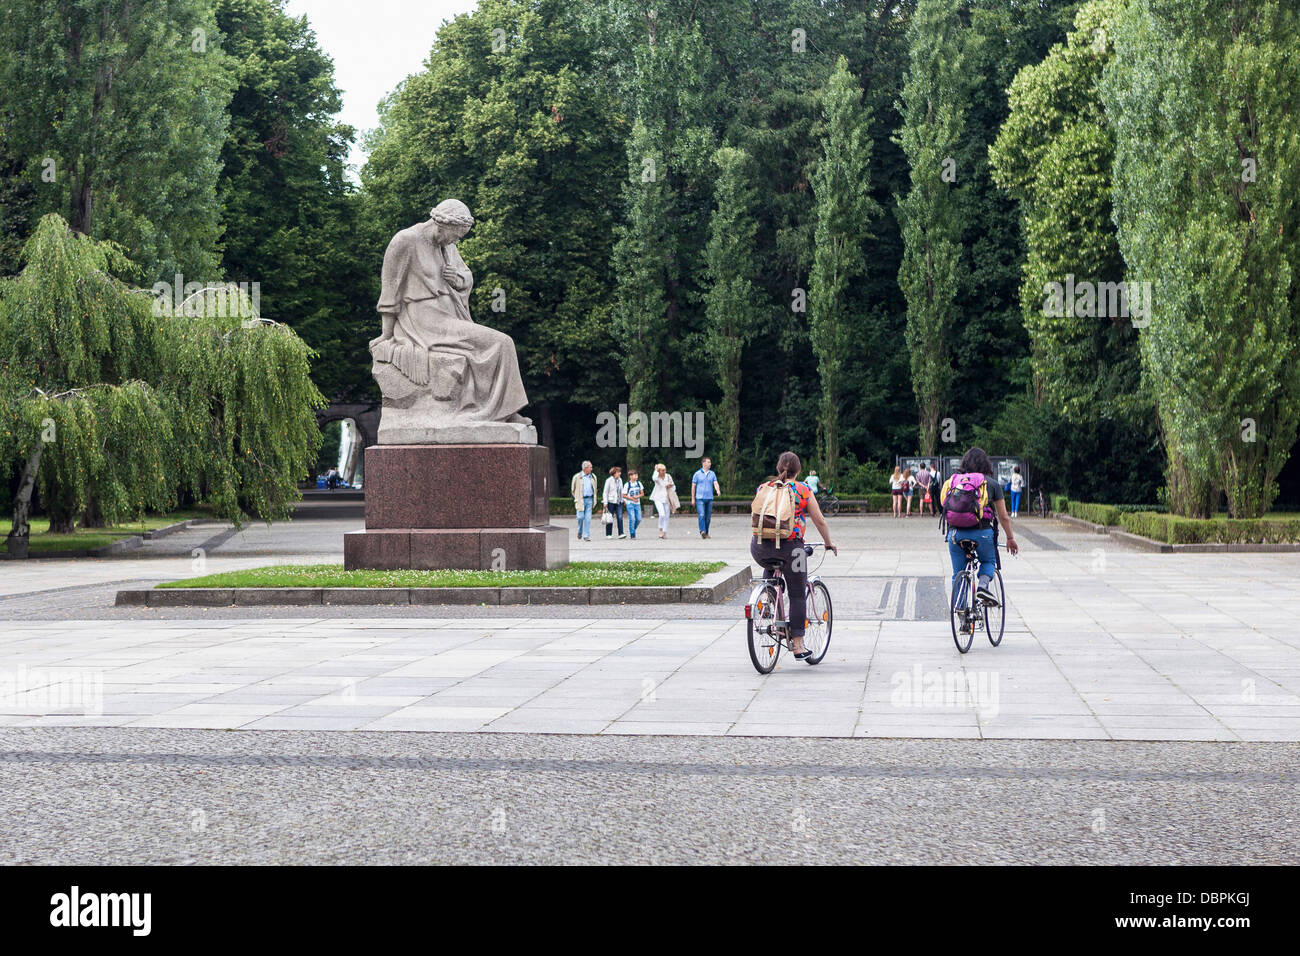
(517, 419)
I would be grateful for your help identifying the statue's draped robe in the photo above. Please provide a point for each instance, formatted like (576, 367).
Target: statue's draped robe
(433, 332)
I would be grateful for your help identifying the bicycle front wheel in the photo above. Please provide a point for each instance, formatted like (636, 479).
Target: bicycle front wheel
(995, 618)
(962, 615)
(832, 506)
(817, 638)
(764, 648)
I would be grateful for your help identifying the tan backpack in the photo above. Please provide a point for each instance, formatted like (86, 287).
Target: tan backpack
(772, 513)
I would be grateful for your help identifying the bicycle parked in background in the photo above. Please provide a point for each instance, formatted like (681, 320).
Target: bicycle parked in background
(769, 631)
(828, 502)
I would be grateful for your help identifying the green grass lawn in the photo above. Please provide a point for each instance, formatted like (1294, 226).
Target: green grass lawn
(42, 542)
(578, 574)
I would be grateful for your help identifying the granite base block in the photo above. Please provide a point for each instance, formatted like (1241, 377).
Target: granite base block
(457, 486)
(482, 549)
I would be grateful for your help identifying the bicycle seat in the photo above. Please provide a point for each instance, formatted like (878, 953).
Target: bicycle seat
(770, 565)
(967, 545)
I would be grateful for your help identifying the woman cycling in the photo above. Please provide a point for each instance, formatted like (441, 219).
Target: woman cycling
(783, 553)
(984, 534)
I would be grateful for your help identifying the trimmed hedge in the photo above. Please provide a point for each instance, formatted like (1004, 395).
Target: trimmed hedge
(1060, 504)
(1172, 529)
(1096, 514)
(1109, 515)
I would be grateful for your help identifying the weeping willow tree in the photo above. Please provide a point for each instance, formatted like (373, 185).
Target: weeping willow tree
(113, 406)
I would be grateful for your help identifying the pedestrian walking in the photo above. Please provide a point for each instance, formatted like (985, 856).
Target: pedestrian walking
(1017, 486)
(613, 502)
(703, 485)
(632, 492)
(583, 486)
(664, 496)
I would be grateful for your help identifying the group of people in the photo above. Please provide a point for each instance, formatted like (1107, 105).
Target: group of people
(787, 553)
(926, 483)
(903, 485)
(618, 498)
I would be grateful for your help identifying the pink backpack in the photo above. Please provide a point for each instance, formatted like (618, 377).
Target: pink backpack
(966, 501)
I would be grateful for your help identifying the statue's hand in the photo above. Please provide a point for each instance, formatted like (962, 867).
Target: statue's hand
(452, 275)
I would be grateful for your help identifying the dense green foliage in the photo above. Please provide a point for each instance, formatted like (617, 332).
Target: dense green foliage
(113, 115)
(121, 411)
(1207, 158)
(826, 225)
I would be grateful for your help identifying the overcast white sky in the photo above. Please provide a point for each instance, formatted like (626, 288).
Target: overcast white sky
(375, 44)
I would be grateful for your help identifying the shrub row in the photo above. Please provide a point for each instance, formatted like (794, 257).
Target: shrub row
(1096, 514)
(1175, 530)
(1101, 514)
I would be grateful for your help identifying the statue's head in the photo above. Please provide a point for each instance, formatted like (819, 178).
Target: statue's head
(452, 218)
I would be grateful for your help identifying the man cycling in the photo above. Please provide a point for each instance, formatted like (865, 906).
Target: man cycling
(975, 473)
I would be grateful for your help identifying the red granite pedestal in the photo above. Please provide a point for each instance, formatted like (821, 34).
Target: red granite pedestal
(475, 507)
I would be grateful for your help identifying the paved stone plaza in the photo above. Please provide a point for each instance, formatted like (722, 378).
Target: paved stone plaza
(1101, 643)
(1105, 648)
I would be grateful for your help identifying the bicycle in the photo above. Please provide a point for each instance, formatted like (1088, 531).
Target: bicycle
(1038, 505)
(828, 502)
(765, 612)
(967, 612)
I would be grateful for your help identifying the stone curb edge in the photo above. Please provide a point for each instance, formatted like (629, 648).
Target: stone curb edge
(712, 589)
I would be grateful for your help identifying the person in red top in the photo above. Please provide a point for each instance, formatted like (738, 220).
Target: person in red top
(786, 553)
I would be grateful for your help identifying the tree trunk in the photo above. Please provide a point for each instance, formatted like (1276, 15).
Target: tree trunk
(20, 533)
(93, 517)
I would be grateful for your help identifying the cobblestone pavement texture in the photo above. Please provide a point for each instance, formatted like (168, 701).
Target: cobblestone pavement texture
(82, 795)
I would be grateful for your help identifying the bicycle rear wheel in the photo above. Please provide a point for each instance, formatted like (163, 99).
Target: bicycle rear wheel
(817, 638)
(963, 621)
(832, 506)
(995, 618)
(764, 648)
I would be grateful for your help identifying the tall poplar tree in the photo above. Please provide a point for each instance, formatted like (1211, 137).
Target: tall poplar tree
(934, 105)
(1202, 98)
(842, 189)
(734, 301)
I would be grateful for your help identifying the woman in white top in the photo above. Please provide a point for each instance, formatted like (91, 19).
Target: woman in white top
(663, 495)
(1017, 486)
(613, 498)
(896, 483)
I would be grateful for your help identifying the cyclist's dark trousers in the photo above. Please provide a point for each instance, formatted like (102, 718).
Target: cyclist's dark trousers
(785, 553)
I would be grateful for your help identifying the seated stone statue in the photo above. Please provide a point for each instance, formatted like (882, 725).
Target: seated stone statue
(441, 374)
